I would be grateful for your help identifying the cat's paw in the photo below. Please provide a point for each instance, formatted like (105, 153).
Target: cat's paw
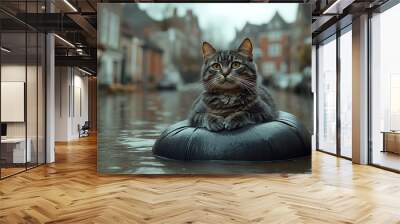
(214, 123)
(236, 121)
(235, 124)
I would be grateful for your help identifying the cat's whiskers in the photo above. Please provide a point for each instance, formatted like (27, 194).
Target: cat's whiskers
(246, 84)
(248, 88)
(211, 83)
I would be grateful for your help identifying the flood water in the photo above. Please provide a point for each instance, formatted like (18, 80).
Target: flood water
(129, 124)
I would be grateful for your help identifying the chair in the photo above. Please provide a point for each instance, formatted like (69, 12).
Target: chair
(84, 130)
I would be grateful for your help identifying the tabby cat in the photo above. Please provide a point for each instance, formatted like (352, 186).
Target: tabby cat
(232, 97)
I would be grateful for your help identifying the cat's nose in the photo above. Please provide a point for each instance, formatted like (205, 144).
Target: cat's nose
(225, 72)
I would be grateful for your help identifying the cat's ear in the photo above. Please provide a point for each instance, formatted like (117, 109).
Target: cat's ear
(246, 47)
(207, 49)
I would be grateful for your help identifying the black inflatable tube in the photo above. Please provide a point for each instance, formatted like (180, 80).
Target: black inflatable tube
(282, 139)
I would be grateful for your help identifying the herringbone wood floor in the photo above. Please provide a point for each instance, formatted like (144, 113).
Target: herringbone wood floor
(70, 191)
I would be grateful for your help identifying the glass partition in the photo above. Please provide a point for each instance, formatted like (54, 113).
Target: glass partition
(14, 153)
(22, 94)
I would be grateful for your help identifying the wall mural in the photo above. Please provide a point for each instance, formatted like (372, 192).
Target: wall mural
(216, 88)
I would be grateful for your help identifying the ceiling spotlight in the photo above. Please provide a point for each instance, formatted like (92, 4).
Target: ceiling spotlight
(70, 5)
(65, 41)
(5, 50)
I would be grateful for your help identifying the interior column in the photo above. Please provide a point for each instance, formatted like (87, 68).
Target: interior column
(360, 90)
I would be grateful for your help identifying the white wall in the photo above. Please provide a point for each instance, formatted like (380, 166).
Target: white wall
(62, 82)
(12, 73)
(16, 73)
(70, 83)
(80, 85)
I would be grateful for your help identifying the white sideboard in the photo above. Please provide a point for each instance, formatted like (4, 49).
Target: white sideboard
(18, 145)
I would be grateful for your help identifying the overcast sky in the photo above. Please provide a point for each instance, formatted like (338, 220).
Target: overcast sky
(221, 19)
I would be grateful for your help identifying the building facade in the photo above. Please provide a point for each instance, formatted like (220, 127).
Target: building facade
(280, 47)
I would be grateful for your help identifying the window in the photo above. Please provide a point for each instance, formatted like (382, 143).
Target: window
(274, 36)
(277, 24)
(334, 106)
(327, 96)
(385, 89)
(346, 94)
(269, 67)
(274, 50)
(109, 28)
(104, 18)
(114, 30)
(283, 67)
(134, 58)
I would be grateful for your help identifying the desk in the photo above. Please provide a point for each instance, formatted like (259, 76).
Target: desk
(391, 141)
(16, 148)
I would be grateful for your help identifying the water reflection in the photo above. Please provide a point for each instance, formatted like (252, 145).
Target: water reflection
(131, 122)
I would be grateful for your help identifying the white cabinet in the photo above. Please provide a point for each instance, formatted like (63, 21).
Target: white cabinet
(18, 149)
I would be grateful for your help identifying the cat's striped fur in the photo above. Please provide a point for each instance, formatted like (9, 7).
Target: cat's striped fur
(232, 97)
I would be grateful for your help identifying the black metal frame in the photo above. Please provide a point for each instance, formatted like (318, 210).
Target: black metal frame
(44, 80)
(316, 97)
(369, 83)
(338, 98)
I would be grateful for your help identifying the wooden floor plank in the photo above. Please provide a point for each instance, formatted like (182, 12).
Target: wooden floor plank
(70, 191)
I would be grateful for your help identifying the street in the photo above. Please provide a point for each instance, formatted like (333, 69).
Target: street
(129, 123)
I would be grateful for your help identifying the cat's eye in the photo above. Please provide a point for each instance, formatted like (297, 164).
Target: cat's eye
(235, 64)
(216, 66)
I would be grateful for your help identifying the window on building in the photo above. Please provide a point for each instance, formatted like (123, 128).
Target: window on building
(274, 50)
(274, 36)
(269, 68)
(277, 24)
(114, 30)
(134, 58)
(104, 18)
(283, 67)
